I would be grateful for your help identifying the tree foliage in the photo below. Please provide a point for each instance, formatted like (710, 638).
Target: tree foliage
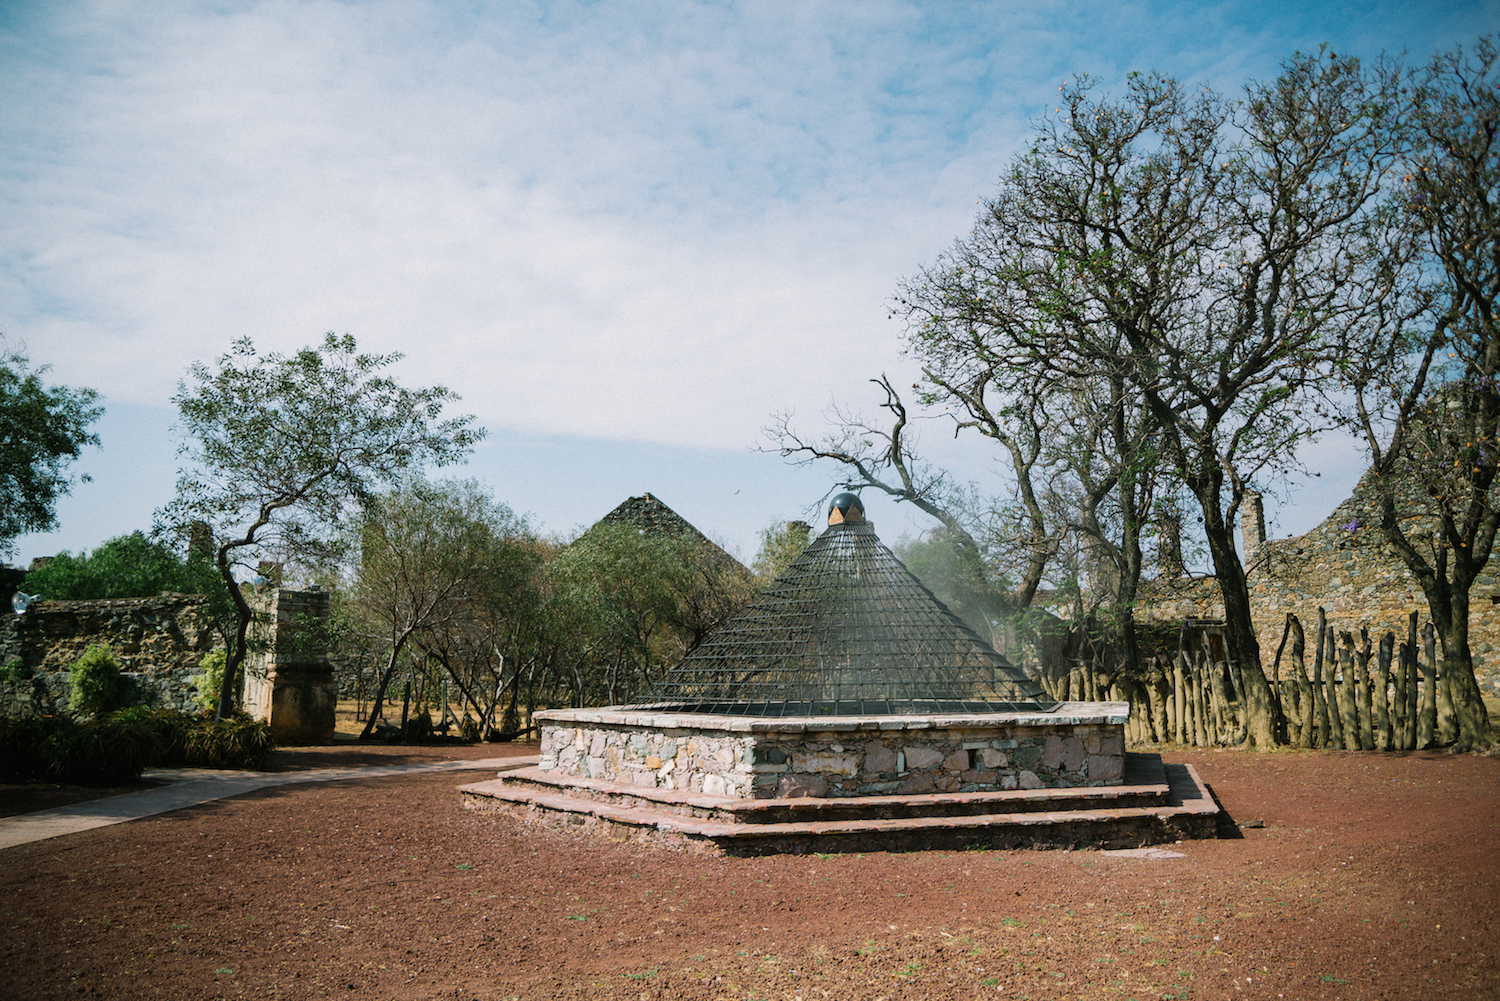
(440, 564)
(634, 602)
(278, 446)
(128, 566)
(42, 429)
(780, 545)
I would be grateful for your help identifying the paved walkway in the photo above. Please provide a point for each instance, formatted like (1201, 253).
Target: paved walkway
(192, 786)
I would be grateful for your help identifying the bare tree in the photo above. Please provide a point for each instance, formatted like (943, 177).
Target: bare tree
(1426, 392)
(1180, 253)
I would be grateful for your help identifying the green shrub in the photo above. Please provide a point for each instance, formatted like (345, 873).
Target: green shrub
(115, 749)
(100, 752)
(236, 742)
(95, 685)
(211, 680)
(130, 566)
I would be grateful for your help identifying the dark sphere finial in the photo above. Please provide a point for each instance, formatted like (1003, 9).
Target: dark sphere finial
(846, 509)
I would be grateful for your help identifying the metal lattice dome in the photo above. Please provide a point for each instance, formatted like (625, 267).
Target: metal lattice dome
(846, 630)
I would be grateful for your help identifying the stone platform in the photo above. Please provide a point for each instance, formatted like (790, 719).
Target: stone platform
(1081, 744)
(1154, 803)
(753, 785)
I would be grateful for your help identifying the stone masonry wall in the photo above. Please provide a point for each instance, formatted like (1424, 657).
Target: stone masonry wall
(838, 763)
(158, 643)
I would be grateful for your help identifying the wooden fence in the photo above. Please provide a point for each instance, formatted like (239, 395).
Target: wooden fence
(1355, 694)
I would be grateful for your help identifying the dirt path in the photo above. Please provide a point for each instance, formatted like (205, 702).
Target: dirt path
(1374, 877)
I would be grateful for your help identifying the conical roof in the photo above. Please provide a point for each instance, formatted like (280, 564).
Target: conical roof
(846, 630)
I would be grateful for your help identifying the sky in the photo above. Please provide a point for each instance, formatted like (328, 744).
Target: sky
(626, 234)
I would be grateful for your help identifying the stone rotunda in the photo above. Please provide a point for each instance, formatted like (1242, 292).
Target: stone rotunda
(847, 709)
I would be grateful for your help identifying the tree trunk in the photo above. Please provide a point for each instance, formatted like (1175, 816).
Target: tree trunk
(1447, 720)
(1320, 687)
(1306, 708)
(1239, 629)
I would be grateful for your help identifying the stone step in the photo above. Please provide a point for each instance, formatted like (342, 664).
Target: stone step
(1188, 811)
(1145, 786)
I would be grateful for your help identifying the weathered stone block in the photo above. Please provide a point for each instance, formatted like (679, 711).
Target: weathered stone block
(826, 762)
(766, 755)
(1063, 752)
(922, 757)
(1105, 767)
(991, 758)
(1029, 780)
(800, 786)
(879, 759)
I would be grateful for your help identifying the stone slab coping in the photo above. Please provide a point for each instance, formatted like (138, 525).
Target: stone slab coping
(1067, 714)
(1190, 796)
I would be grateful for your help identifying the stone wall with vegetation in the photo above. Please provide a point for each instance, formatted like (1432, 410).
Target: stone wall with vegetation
(1343, 565)
(158, 643)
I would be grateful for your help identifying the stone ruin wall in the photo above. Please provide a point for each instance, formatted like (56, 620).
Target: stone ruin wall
(1344, 565)
(158, 643)
(838, 763)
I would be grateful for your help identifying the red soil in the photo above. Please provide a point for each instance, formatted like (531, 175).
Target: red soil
(1374, 876)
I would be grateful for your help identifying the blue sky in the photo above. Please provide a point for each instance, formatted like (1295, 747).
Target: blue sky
(625, 233)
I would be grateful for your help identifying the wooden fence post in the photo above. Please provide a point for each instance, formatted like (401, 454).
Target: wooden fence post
(1347, 713)
(1320, 693)
(1382, 691)
(1305, 711)
(1362, 669)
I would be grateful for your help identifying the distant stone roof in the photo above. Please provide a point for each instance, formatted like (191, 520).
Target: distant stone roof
(656, 519)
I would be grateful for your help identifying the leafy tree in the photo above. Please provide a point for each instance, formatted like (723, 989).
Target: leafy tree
(1426, 389)
(42, 429)
(279, 445)
(129, 566)
(780, 545)
(630, 602)
(434, 558)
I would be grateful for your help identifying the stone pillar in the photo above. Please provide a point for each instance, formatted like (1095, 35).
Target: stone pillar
(288, 680)
(1169, 546)
(1252, 524)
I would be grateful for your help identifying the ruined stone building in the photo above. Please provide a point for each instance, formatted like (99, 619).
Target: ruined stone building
(1344, 565)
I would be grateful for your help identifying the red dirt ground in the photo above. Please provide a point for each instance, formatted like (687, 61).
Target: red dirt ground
(1374, 876)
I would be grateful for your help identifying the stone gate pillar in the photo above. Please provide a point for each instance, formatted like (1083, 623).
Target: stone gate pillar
(288, 680)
